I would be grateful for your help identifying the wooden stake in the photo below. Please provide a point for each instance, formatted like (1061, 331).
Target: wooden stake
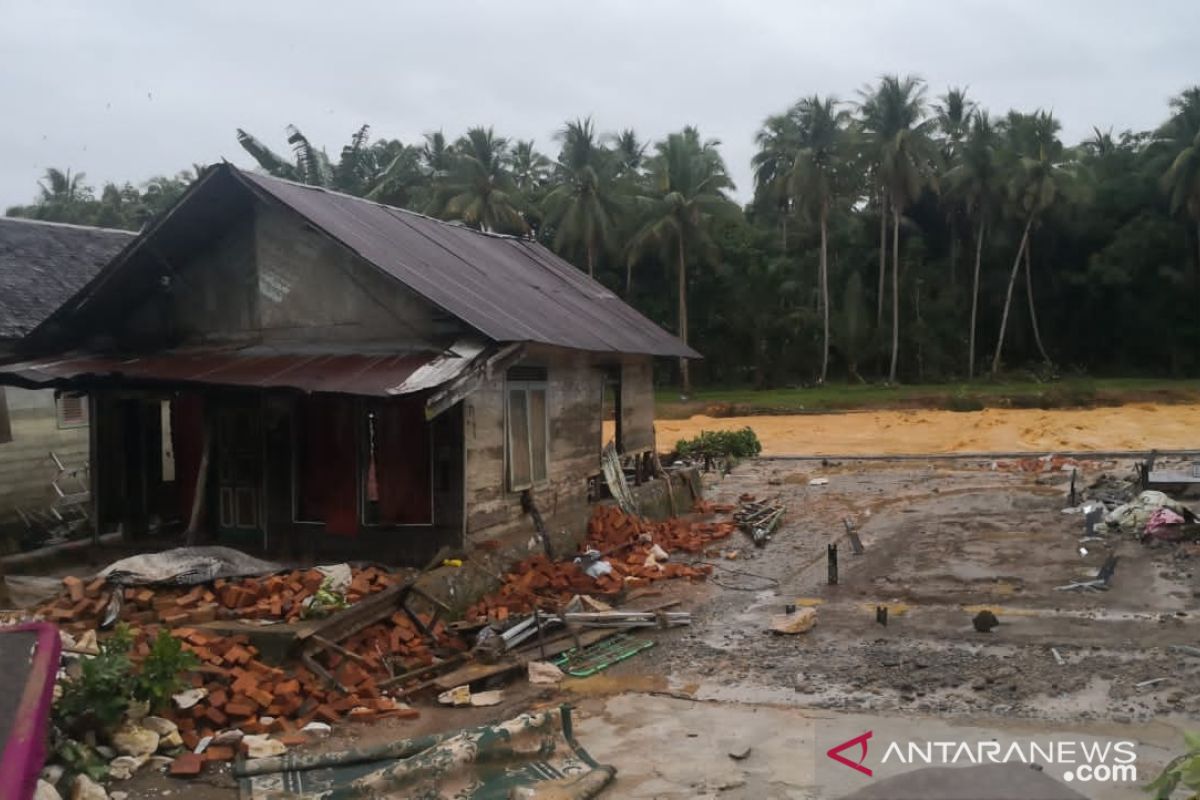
(201, 486)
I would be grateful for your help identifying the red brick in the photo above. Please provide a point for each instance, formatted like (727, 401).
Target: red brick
(326, 714)
(218, 752)
(294, 739)
(239, 709)
(216, 716)
(187, 765)
(74, 588)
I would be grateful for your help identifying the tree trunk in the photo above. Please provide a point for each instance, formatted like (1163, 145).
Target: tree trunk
(882, 256)
(975, 299)
(628, 279)
(1012, 279)
(825, 288)
(685, 382)
(591, 260)
(1037, 334)
(895, 294)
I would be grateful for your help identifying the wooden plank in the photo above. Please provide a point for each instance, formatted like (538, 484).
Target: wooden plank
(518, 659)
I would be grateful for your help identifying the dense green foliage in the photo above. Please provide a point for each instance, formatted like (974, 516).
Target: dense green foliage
(720, 444)
(898, 237)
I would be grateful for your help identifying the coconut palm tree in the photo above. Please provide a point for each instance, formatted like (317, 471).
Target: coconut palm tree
(585, 202)
(1040, 173)
(815, 181)
(976, 181)
(530, 169)
(953, 113)
(777, 140)
(1181, 135)
(630, 152)
(899, 137)
(688, 181)
(478, 188)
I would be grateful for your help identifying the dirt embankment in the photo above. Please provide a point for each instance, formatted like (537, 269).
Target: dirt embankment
(1142, 426)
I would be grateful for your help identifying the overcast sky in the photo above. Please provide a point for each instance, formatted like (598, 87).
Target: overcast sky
(126, 90)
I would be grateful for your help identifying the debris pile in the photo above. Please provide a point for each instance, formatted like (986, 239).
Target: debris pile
(635, 548)
(284, 597)
(231, 696)
(1049, 463)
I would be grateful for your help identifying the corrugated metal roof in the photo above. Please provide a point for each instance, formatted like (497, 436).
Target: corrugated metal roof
(508, 288)
(44, 263)
(262, 367)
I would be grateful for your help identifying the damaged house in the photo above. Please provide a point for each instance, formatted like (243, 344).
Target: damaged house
(42, 264)
(285, 368)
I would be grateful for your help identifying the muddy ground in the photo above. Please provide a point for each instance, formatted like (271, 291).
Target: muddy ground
(1137, 426)
(941, 541)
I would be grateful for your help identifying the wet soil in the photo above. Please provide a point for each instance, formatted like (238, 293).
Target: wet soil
(1139, 426)
(941, 543)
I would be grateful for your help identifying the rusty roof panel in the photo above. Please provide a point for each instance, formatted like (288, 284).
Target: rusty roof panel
(257, 367)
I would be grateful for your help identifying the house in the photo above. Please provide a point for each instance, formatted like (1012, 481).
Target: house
(285, 368)
(42, 264)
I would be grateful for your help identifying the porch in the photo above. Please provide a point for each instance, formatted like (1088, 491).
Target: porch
(307, 476)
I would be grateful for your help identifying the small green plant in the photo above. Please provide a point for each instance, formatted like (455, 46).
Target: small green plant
(720, 444)
(99, 695)
(324, 602)
(1184, 769)
(161, 670)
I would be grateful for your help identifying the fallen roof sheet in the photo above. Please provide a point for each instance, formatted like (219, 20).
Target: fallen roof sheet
(44, 263)
(262, 367)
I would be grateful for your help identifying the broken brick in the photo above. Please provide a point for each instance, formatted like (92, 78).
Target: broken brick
(187, 765)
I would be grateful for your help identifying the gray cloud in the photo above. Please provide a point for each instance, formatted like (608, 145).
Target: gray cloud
(125, 90)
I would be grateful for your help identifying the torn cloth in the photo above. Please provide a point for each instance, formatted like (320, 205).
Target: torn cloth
(1162, 522)
(1133, 517)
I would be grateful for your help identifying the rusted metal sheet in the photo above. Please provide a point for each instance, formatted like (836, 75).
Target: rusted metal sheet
(509, 288)
(258, 367)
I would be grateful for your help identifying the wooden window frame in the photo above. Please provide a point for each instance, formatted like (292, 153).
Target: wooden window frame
(528, 387)
(60, 416)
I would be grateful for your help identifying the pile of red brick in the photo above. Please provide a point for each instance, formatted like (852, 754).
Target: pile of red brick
(610, 528)
(242, 689)
(626, 542)
(278, 597)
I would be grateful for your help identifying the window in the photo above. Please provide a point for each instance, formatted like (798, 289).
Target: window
(526, 426)
(72, 410)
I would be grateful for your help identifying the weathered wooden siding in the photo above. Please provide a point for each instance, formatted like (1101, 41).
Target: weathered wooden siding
(574, 384)
(637, 403)
(25, 467)
(272, 278)
(212, 295)
(313, 289)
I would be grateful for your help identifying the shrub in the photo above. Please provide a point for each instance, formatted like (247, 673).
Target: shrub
(106, 686)
(159, 677)
(720, 444)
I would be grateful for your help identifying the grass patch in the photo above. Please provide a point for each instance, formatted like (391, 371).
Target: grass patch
(1066, 393)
